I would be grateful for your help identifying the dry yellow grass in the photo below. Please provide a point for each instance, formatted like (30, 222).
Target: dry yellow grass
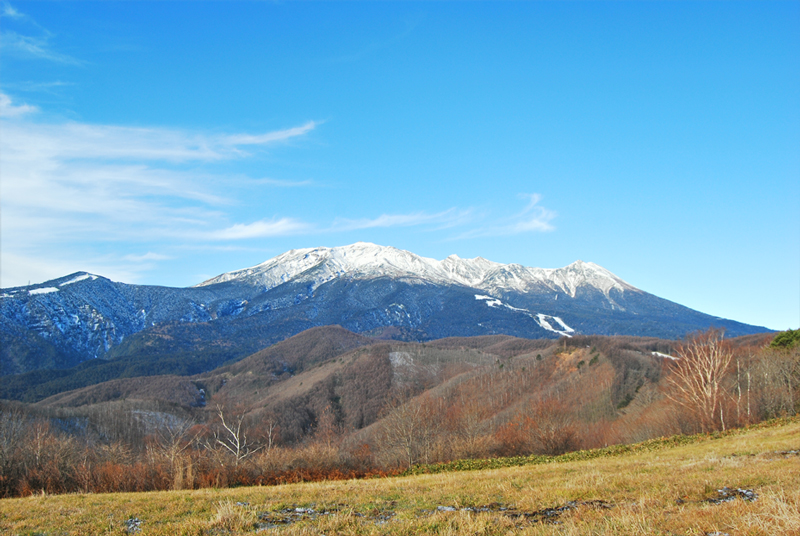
(658, 492)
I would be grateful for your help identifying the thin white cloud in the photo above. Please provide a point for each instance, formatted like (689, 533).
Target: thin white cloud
(25, 46)
(7, 109)
(10, 11)
(109, 142)
(374, 48)
(149, 256)
(41, 87)
(261, 229)
(291, 226)
(445, 218)
(269, 137)
(281, 183)
(67, 184)
(534, 218)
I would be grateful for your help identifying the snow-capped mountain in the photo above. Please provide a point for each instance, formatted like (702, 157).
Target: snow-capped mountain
(370, 289)
(364, 261)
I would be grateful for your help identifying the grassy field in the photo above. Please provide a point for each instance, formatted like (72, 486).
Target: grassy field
(661, 490)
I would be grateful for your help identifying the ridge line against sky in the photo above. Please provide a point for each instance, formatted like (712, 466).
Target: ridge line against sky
(168, 143)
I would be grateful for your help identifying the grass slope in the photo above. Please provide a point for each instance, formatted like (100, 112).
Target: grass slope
(664, 490)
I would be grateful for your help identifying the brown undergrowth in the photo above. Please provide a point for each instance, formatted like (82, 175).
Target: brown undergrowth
(670, 490)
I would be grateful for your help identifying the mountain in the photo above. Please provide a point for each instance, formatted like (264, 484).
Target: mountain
(369, 289)
(368, 261)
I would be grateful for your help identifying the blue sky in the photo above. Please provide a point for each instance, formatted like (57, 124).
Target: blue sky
(168, 142)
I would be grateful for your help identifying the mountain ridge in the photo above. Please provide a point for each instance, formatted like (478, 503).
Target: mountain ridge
(364, 259)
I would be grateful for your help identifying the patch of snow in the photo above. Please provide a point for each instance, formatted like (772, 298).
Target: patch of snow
(45, 290)
(81, 277)
(540, 318)
(402, 364)
(491, 302)
(666, 356)
(400, 359)
(494, 302)
(543, 322)
(563, 324)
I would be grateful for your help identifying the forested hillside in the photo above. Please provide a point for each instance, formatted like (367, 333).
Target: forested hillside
(329, 403)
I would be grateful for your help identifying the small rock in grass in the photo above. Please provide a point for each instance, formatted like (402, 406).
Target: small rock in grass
(133, 525)
(727, 494)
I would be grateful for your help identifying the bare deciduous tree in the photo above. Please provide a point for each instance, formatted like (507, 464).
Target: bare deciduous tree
(698, 378)
(777, 375)
(231, 436)
(408, 429)
(172, 440)
(13, 427)
(552, 427)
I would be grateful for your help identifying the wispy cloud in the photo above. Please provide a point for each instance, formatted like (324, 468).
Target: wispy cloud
(71, 190)
(374, 48)
(7, 109)
(74, 183)
(269, 137)
(111, 142)
(261, 229)
(37, 47)
(442, 219)
(281, 183)
(149, 256)
(534, 218)
(11, 11)
(25, 46)
(292, 226)
(44, 87)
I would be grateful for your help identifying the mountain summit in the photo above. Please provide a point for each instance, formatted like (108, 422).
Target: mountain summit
(364, 260)
(369, 289)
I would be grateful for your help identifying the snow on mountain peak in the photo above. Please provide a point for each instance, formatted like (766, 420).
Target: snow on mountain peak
(364, 260)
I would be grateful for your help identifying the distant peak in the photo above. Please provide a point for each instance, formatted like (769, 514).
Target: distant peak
(365, 260)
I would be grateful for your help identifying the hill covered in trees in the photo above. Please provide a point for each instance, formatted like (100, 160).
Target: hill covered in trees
(329, 403)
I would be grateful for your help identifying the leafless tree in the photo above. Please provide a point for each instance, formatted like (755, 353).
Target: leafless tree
(551, 427)
(468, 425)
(409, 430)
(269, 427)
(231, 436)
(172, 440)
(12, 431)
(698, 378)
(777, 376)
